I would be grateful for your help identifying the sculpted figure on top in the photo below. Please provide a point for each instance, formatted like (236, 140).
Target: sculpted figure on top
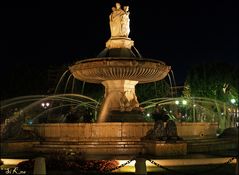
(119, 21)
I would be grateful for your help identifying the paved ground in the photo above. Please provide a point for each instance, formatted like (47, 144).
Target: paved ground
(188, 170)
(216, 169)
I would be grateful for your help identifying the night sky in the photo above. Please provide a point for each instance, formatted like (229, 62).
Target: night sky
(180, 34)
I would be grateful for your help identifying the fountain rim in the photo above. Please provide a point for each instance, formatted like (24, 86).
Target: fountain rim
(118, 58)
(151, 64)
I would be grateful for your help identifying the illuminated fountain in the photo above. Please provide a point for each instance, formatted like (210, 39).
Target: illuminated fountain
(119, 67)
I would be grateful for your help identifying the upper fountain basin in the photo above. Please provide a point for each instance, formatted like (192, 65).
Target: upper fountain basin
(96, 70)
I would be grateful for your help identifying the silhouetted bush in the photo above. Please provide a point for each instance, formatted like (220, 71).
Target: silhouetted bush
(71, 161)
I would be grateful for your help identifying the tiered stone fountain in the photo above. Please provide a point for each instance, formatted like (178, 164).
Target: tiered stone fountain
(119, 67)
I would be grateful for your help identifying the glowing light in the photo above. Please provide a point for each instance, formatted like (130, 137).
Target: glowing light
(124, 161)
(148, 115)
(12, 161)
(184, 102)
(233, 101)
(194, 105)
(176, 102)
(131, 164)
(45, 105)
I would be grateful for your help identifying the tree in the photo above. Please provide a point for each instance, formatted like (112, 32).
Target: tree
(153, 90)
(218, 81)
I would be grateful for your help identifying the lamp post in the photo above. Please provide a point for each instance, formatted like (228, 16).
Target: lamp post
(184, 102)
(45, 105)
(194, 112)
(234, 111)
(177, 111)
(233, 102)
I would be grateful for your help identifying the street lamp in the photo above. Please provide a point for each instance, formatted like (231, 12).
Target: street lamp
(45, 105)
(234, 111)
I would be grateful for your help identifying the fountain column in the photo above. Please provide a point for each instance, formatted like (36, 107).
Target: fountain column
(121, 93)
(119, 96)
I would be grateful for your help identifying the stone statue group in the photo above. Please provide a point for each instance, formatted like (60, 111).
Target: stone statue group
(160, 131)
(119, 21)
(126, 104)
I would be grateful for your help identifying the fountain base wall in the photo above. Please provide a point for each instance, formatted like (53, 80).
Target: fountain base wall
(114, 131)
(110, 138)
(17, 146)
(162, 148)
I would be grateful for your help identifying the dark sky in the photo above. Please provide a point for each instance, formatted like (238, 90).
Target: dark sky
(180, 34)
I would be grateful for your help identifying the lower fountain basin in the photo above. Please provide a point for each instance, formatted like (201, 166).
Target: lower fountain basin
(119, 131)
(108, 139)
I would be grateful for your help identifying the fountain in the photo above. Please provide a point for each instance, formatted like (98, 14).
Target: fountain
(119, 67)
(121, 125)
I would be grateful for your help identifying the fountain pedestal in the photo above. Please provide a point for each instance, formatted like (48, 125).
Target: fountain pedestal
(119, 96)
(119, 42)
